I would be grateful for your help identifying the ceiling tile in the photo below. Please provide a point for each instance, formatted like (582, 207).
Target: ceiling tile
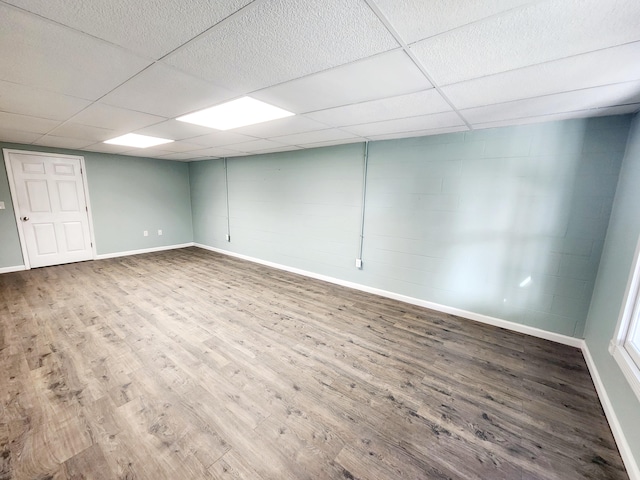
(147, 152)
(289, 148)
(412, 124)
(174, 130)
(420, 133)
(18, 136)
(178, 156)
(115, 118)
(335, 142)
(590, 98)
(280, 40)
(12, 121)
(107, 148)
(17, 98)
(600, 112)
(281, 126)
(39, 53)
(149, 27)
(180, 147)
(76, 130)
(216, 152)
(62, 142)
(385, 75)
(614, 65)
(314, 137)
(411, 105)
(416, 19)
(218, 139)
(537, 33)
(165, 91)
(255, 145)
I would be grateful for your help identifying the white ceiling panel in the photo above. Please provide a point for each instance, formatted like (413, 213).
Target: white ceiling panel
(419, 133)
(107, 148)
(537, 33)
(115, 118)
(167, 23)
(35, 102)
(384, 75)
(147, 152)
(289, 148)
(255, 145)
(331, 143)
(411, 105)
(605, 111)
(77, 130)
(614, 65)
(314, 137)
(174, 130)
(165, 91)
(39, 53)
(280, 40)
(181, 147)
(61, 142)
(12, 121)
(418, 19)
(412, 124)
(590, 98)
(18, 136)
(219, 139)
(217, 152)
(282, 126)
(181, 156)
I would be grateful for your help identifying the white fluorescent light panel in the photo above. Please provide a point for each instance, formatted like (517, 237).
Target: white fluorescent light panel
(237, 113)
(137, 141)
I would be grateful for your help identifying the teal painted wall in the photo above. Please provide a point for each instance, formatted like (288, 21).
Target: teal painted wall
(463, 219)
(295, 208)
(615, 268)
(128, 195)
(459, 219)
(10, 251)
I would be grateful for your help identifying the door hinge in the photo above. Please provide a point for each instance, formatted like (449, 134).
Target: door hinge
(86, 209)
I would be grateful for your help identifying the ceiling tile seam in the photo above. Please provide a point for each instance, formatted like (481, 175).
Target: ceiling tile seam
(542, 115)
(362, 102)
(376, 10)
(243, 10)
(541, 63)
(560, 93)
(81, 32)
(480, 20)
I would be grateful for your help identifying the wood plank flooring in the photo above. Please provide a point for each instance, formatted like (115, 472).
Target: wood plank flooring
(187, 364)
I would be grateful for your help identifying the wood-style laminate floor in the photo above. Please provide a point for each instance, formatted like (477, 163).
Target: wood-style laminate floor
(192, 365)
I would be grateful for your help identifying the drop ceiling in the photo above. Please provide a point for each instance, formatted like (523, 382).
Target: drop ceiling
(75, 72)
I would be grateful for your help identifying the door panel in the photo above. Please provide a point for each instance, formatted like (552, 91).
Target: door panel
(51, 207)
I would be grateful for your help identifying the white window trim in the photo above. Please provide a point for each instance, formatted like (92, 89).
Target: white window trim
(628, 315)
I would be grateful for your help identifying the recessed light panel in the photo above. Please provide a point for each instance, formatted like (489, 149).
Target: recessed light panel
(137, 141)
(237, 113)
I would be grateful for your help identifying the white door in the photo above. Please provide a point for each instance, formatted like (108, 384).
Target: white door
(51, 207)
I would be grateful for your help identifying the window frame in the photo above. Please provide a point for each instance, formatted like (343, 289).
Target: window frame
(628, 356)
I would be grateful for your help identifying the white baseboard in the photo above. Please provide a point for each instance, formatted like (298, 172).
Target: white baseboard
(143, 250)
(17, 268)
(630, 463)
(497, 322)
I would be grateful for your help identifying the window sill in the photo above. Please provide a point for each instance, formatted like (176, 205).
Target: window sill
(627, 365)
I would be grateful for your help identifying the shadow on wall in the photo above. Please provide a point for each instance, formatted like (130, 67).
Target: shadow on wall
(511, 220)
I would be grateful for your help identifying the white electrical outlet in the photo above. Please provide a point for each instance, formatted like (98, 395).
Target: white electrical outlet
(2, 207)
(159, 232)
(145, 233)
(358, 263)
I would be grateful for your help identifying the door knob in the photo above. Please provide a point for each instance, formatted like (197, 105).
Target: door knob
(24, 219)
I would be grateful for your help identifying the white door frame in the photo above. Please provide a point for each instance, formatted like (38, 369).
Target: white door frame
(14, 197)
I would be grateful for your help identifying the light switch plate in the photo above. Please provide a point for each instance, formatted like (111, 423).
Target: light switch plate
(2, 207)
